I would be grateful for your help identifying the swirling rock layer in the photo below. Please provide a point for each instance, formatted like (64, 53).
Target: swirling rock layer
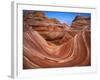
(49, 43)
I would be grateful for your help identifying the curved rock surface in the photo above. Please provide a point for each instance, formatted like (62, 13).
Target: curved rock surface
(49, 43)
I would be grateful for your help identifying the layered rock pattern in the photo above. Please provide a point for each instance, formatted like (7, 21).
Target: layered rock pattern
(48, 43)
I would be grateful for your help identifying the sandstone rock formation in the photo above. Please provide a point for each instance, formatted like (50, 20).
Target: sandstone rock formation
(80, 22)
(49, 43)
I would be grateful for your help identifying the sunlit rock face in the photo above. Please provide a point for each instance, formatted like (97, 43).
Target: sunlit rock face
(48, 43)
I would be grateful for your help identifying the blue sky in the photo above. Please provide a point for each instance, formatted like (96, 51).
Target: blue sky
(65, 17)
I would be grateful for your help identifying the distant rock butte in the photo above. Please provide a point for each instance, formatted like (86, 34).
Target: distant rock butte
(80, 22)
(50, 43)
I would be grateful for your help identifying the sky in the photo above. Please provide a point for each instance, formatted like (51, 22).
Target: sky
(65, 17)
